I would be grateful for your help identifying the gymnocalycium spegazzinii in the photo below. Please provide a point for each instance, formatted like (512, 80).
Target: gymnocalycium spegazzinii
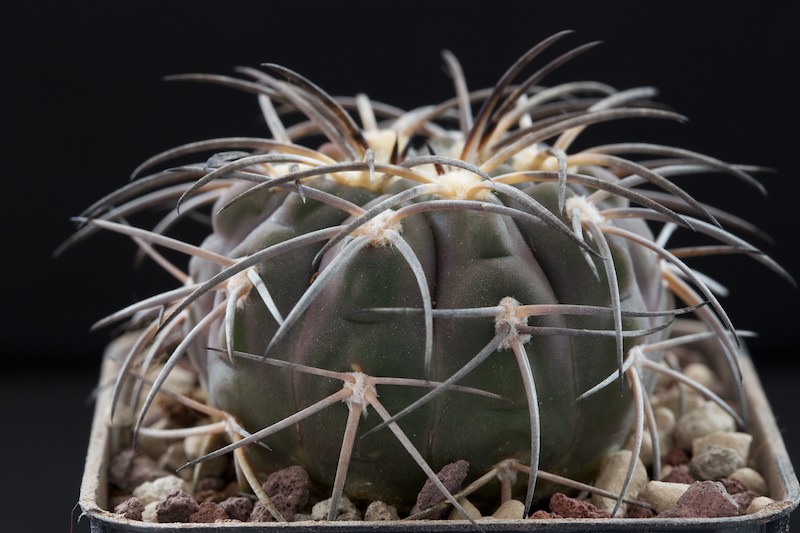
(463, 272)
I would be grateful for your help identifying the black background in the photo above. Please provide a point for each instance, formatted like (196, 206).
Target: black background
(83, 102)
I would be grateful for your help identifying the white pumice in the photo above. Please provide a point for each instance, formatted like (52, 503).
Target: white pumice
(706, 419)
(662, 495)
(612, 476)
(472, 511)
(153, 491)
(715, 462)
(751, 479)
(759, 504)
(735, 440)
(510, 510)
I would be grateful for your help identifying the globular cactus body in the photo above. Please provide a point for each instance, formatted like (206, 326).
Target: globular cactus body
(470, 260)
(507, 281)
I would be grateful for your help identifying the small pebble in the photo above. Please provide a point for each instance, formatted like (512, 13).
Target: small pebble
(646, 451)
(379, 511)
(703, 499)
(679, 474)
(208, 512)
(636, 511)
(707, 418)
(744, 499)
(177, 506)
(701, 373)
(452, 477)
(567, 507)
(665, 424)
(612, 477)
(131, 508)
(472, 511)
(261, 513)
(510, 510)
(127, 470)
(149, 513)
(679, 401)
(153, 491)
(715, 462)
(288, 490)
(677, 456)
(238, 507)
(759, 504)
(733, 486)
(735, 440)
(751, 479)
(346, 508)
(662, 495)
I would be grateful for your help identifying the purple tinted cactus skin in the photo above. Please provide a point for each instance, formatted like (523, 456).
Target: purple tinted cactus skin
(487, 244)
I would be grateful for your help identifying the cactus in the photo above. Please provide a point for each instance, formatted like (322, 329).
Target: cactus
(481, 288)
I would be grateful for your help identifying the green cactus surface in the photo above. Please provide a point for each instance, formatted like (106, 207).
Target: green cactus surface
(465, 280)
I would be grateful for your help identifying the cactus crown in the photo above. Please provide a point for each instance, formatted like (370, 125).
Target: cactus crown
(479, 286)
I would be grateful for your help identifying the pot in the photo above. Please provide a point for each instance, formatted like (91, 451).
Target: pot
(769, 457)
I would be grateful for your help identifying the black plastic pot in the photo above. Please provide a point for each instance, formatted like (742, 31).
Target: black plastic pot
(770, 459)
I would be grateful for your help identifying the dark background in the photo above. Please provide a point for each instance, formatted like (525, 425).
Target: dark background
(83, 103)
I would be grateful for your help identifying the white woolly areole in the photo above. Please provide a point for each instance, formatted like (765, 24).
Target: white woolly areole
(508, 317)
(375, 229)
(359, 389)
(242, 283)
(534, 157)
(457, 184)
(587, 209)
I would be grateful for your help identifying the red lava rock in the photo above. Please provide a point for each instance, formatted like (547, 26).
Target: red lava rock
(568, 507)
(707, 499)
(288, 490)
(679, 474)
(744, 499)
(260, 513)
(131, 508)
(176, 506)
(733, 485)
(127, 470)
(208, 512)
(544, 515)
(677, 456)
(238, 507)
(636, 511)
(452, 477)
